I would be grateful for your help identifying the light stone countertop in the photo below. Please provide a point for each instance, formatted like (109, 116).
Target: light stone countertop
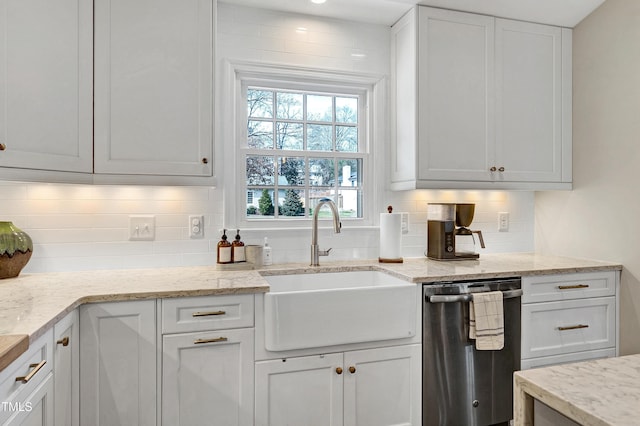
(32, 303)
(604, 392)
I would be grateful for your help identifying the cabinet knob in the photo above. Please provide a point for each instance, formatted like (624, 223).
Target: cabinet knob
(64, 341)
(2, 147)
(205, 160)
(339, 370)
(493, 169)
(501, 169)
(352, 369)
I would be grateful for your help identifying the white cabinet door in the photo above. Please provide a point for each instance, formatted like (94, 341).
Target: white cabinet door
(207, 378)
(455, 102)
(529, 104)
(118, 363)
(154, 87)
(46, 84)
(66, 369)
(38, 408)
(300, 391)
(383, 386)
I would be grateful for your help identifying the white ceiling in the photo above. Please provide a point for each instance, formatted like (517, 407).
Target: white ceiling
(566, 13)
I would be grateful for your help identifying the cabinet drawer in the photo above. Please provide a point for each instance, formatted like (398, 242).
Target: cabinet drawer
(207, 313)
(16, 392)
(548, 288)
(571, 326)
(526, 364)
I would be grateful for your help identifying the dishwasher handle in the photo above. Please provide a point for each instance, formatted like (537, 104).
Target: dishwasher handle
(454, 298)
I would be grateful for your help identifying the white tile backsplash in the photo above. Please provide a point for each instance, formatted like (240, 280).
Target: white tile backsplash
(84, 227)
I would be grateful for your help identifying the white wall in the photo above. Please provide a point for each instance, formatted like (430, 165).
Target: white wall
(597, 219)
(78, 227)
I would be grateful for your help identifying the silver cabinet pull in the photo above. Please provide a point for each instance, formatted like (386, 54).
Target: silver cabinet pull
(208, 314)
(573, 327)
(36, 368)
(214, 340)
(569, 287)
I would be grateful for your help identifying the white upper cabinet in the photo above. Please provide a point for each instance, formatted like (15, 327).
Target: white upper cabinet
(46, 85)
(454, 82)
(531, 113)
(479, 102)
(154, 87)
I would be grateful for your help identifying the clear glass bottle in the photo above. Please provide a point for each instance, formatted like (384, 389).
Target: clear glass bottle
(237, 250)
(224, 249)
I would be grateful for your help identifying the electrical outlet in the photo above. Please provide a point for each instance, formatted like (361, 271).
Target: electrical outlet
(405, 222)
(196, 226)
(142, 228)
(503, 221)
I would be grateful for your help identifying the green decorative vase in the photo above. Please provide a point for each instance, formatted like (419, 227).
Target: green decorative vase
(16, 248)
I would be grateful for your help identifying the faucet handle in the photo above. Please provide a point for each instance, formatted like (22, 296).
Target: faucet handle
(324, 252)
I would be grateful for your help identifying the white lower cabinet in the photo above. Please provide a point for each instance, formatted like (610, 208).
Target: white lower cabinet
(26, 386)
(66, 370)
(38, 410)
(367, 388)
(207, 360)
(207, 378)
(569, 317)
(118, 363)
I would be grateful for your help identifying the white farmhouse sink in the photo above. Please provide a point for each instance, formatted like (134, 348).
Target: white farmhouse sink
(335, 308)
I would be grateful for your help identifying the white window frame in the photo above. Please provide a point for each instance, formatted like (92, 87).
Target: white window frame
(243, 74)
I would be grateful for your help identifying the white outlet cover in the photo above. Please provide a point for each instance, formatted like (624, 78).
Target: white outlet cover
(142, 228)
(196, 226)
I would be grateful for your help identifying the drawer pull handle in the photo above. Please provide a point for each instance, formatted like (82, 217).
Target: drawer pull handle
(208, 314)
(36, 368)
(64, 341)
(573, 327)
(214, 340)
(570, 287)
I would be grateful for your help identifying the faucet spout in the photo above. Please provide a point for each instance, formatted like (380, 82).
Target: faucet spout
(315, 250)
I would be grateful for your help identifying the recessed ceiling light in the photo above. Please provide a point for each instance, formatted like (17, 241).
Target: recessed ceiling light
(318, 1)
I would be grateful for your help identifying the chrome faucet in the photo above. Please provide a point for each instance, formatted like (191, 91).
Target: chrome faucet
(315, 250)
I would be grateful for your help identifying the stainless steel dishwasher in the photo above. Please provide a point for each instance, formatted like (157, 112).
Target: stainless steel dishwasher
(462, 386)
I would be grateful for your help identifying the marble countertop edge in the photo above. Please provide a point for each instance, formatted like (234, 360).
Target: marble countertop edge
(558, 402)
(34, 302)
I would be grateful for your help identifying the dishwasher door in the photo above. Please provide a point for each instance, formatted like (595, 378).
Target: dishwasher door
(463, 386)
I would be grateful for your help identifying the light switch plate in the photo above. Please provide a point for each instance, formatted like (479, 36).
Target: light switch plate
(503, 221)
(142, 228)
(405, 222)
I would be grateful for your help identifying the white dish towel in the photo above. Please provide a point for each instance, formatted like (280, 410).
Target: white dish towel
(486, 321)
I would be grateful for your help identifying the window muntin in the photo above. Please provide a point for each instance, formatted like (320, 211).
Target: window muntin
(303, 146)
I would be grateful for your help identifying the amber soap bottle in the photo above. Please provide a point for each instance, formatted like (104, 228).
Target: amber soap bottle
(225, 253)
(237, 250)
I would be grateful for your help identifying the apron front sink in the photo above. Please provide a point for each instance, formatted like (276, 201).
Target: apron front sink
(335, 308)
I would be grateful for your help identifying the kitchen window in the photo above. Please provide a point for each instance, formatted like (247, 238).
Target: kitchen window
(300, 135)
(301, 142)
